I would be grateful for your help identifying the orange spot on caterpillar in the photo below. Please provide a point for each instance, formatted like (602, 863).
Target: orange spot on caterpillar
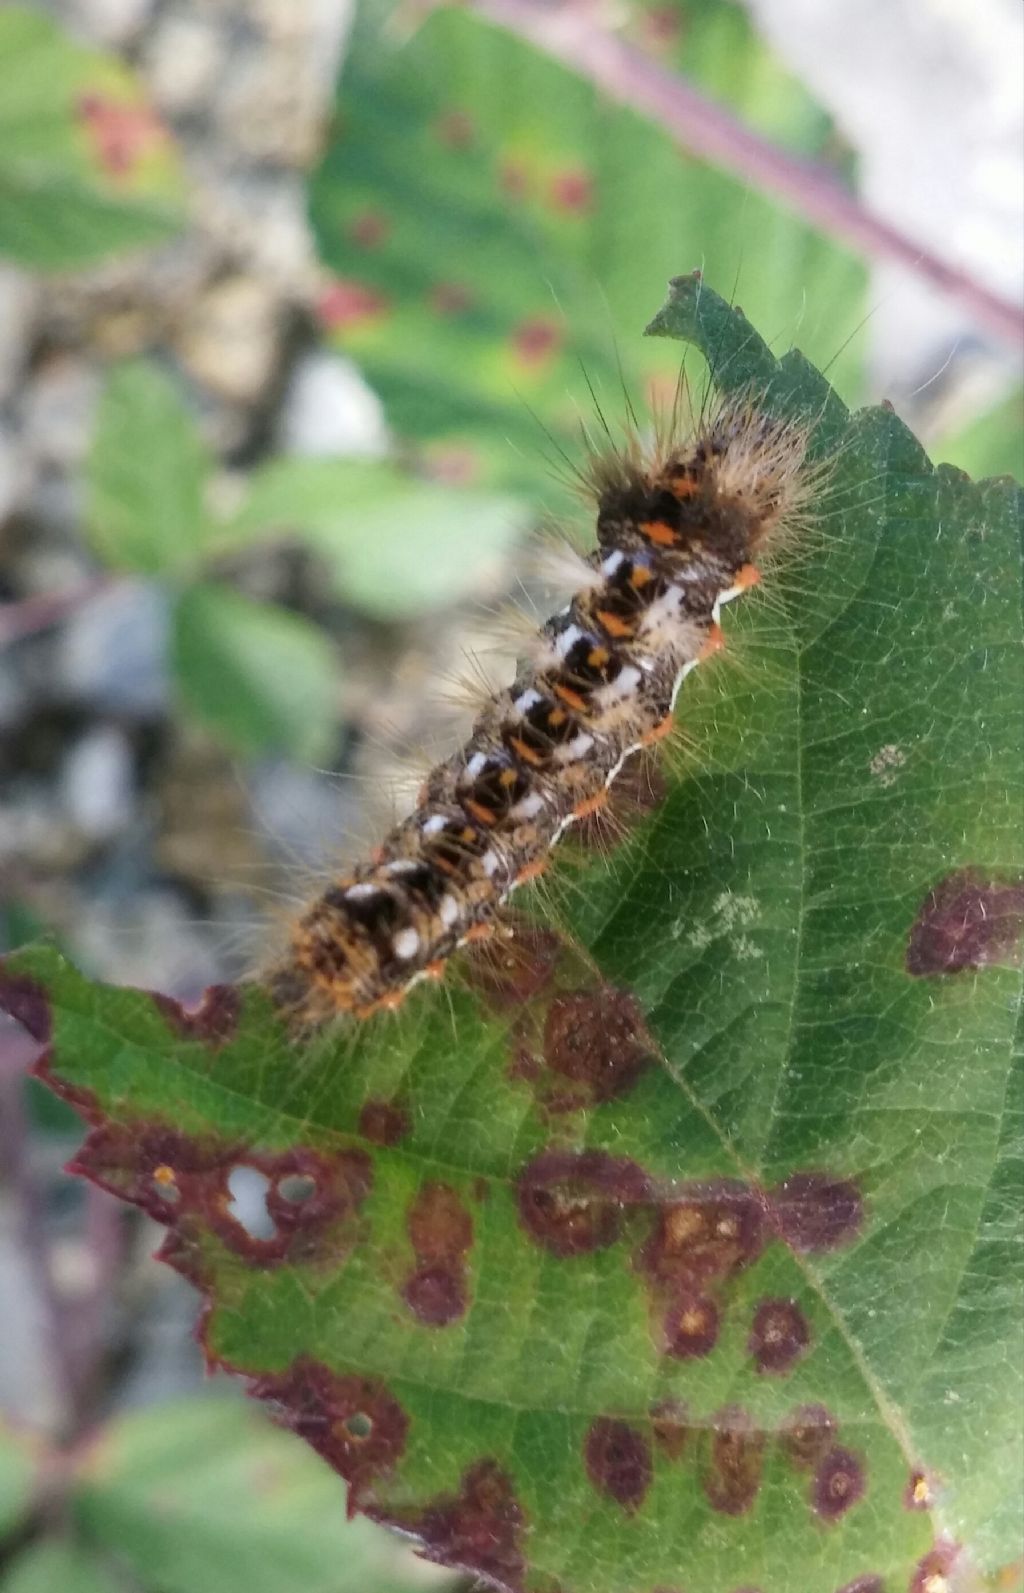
(435, 969)
(532, 870)
(526, 753)
(640, 576)
(684, 486)
(747, 576)
(619, 628)
(598, 657)
(477, 811)
(476, 933)
(714, 644)
(573, 698)
(658, 532)
(663, 728)
(593, 804)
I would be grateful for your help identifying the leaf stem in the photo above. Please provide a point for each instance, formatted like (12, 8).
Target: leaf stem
(707, 130)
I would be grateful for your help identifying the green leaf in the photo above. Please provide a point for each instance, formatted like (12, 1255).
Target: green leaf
(395, 546)
(258, 676)
(56, 1567)
(17, 1475)
(492, 220)
(146, 475)
(674, 1250)
(86, 169)
(993, 444)
(201, 1496)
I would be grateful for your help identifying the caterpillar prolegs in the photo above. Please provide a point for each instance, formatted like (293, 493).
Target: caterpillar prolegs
(681, 529)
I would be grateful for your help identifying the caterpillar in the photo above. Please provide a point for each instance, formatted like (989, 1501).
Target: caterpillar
(683, 527)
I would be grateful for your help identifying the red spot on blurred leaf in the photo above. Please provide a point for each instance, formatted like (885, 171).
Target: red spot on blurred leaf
(536, 341)
(120, 134)
(572, 191)
(456, 129)
(812, 1211)
(345, 303)
(450, 298)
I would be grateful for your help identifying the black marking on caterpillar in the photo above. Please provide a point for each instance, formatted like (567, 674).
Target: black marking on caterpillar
(679, 528)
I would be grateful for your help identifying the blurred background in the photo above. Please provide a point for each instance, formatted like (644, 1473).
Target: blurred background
(300, 304)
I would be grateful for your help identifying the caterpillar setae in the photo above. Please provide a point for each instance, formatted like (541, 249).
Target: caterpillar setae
(681, 528)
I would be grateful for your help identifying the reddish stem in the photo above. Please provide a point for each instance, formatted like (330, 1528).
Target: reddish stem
(707, 130)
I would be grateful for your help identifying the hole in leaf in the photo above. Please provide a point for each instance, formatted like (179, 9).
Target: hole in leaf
(248, 1205)
(358, 1426)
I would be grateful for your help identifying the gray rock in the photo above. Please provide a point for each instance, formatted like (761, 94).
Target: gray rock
(184, 57)
(19, 300)
(330, 409)
(97, 781)
(231, 339)
(113, 652)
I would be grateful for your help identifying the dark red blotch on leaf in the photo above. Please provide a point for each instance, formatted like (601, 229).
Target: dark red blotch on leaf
(779, 1336)
(838, 1484)
(571, 1202)
(813, 1211)
(807, 1434)
(618, 1461)
(479, 1530)
(596, 1040)
(968, 920)
(213, 1021)
(354, 1423)
(441, 1234)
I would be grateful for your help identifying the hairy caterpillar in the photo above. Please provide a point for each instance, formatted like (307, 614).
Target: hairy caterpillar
(680, 528)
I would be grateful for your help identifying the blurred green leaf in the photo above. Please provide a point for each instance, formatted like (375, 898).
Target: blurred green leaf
(17, 1474)
(54, 1566)
(205, 1496)
(395, 546)
(685, 1256)
(258, 676)
(146, 475)
(85, 167)
(993, 444)
(492, 219)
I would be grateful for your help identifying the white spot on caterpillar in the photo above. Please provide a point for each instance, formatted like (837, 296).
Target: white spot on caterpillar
(362, 892)
(477, 763)
(436, 822)
(490, 863)
(578, 747)
(405, 944)
(567, 639)
(448, 911)
(526, 700)
(528, 807)
(612, 563)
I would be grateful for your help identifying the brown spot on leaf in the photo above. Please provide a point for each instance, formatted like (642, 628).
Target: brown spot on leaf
(779, 1336)
(354, 1423)
(691, 1326)
(384, 1123)
(456, 129)
(450, 298)
(535, 341)
(571, 1202)
(369, 229)
(839, 1482)
(213, 1021)
(596, 1039)
(732, 1462)
(662, 27)
(969, 920)
(715, 1230)
(618, 1462)
(510, 972)
(514, 179)
(441, 1234)
(479, 1531)
(932, 1571)
(807, 1434)
(670, 1424)
(864, 1584)
(812, 1211)
(436, 1294)
(27, 1003)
